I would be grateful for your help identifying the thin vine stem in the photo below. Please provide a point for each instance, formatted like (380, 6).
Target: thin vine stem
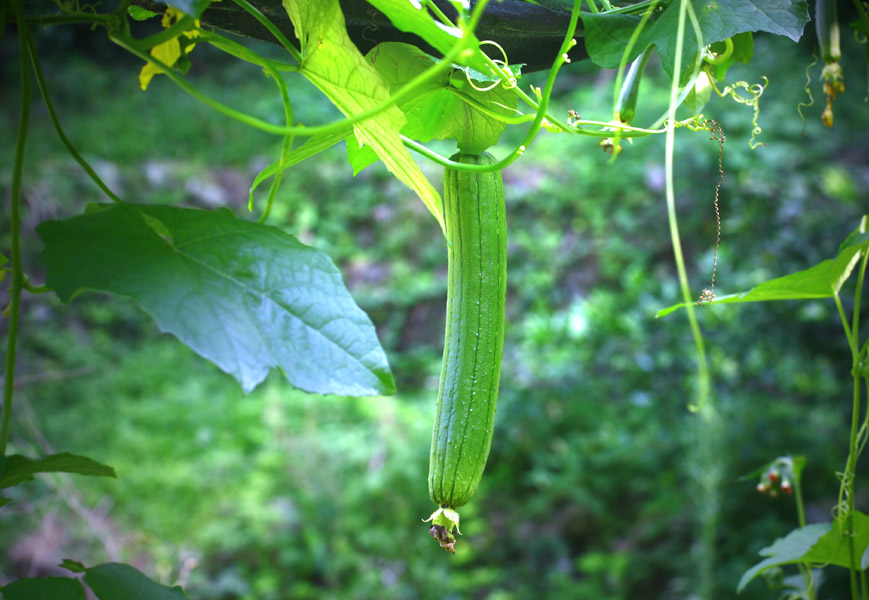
(702, 367)
(55, 121)
(436, 10)
(17, 282)
(628, 130)
(285, 147)
(267, 23)
(244, 53)
(805, 571)
(633, 9)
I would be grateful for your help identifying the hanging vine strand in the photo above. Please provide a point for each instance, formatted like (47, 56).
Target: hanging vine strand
(708, 295)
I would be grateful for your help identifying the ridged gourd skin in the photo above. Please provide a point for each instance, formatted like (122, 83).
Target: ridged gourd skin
(474, 338)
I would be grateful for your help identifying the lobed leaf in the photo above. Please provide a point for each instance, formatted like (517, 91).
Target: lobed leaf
(246, 296)
(606, 36)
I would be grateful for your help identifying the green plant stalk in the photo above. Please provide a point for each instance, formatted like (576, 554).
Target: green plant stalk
(55, 121)
(846, 491)
(403, 92)
(805, 571)
(855, 331)
(17, 282)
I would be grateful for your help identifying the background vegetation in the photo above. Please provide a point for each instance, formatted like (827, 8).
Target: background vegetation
(600, 483)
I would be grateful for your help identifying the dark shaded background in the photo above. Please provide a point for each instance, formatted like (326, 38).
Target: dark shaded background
(600, 484)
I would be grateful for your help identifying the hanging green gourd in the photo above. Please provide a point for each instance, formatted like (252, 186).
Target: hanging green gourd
(474, 339)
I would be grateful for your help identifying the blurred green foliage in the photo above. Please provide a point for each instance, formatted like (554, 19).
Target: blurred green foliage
(600, 483)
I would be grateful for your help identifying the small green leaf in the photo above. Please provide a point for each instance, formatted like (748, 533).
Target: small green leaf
(116, 581)
(73, 565)
(359, 156)
(787, 550)
(438, 111)
(3, 260)
(824, 280)
(414, 18)
(244, 295)
(137, 13)
(18, 469)
(47, 588)
(858, 237)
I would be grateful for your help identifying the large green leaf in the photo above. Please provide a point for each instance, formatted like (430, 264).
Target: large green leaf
(334, 64)
(117, 581)
(833, 547)
(787, 550)
(438, 110)
(246, 296)
(414, 18)
(817, 544)
(606, 36)
(17, 468)
(824, 280)
(46, 588)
